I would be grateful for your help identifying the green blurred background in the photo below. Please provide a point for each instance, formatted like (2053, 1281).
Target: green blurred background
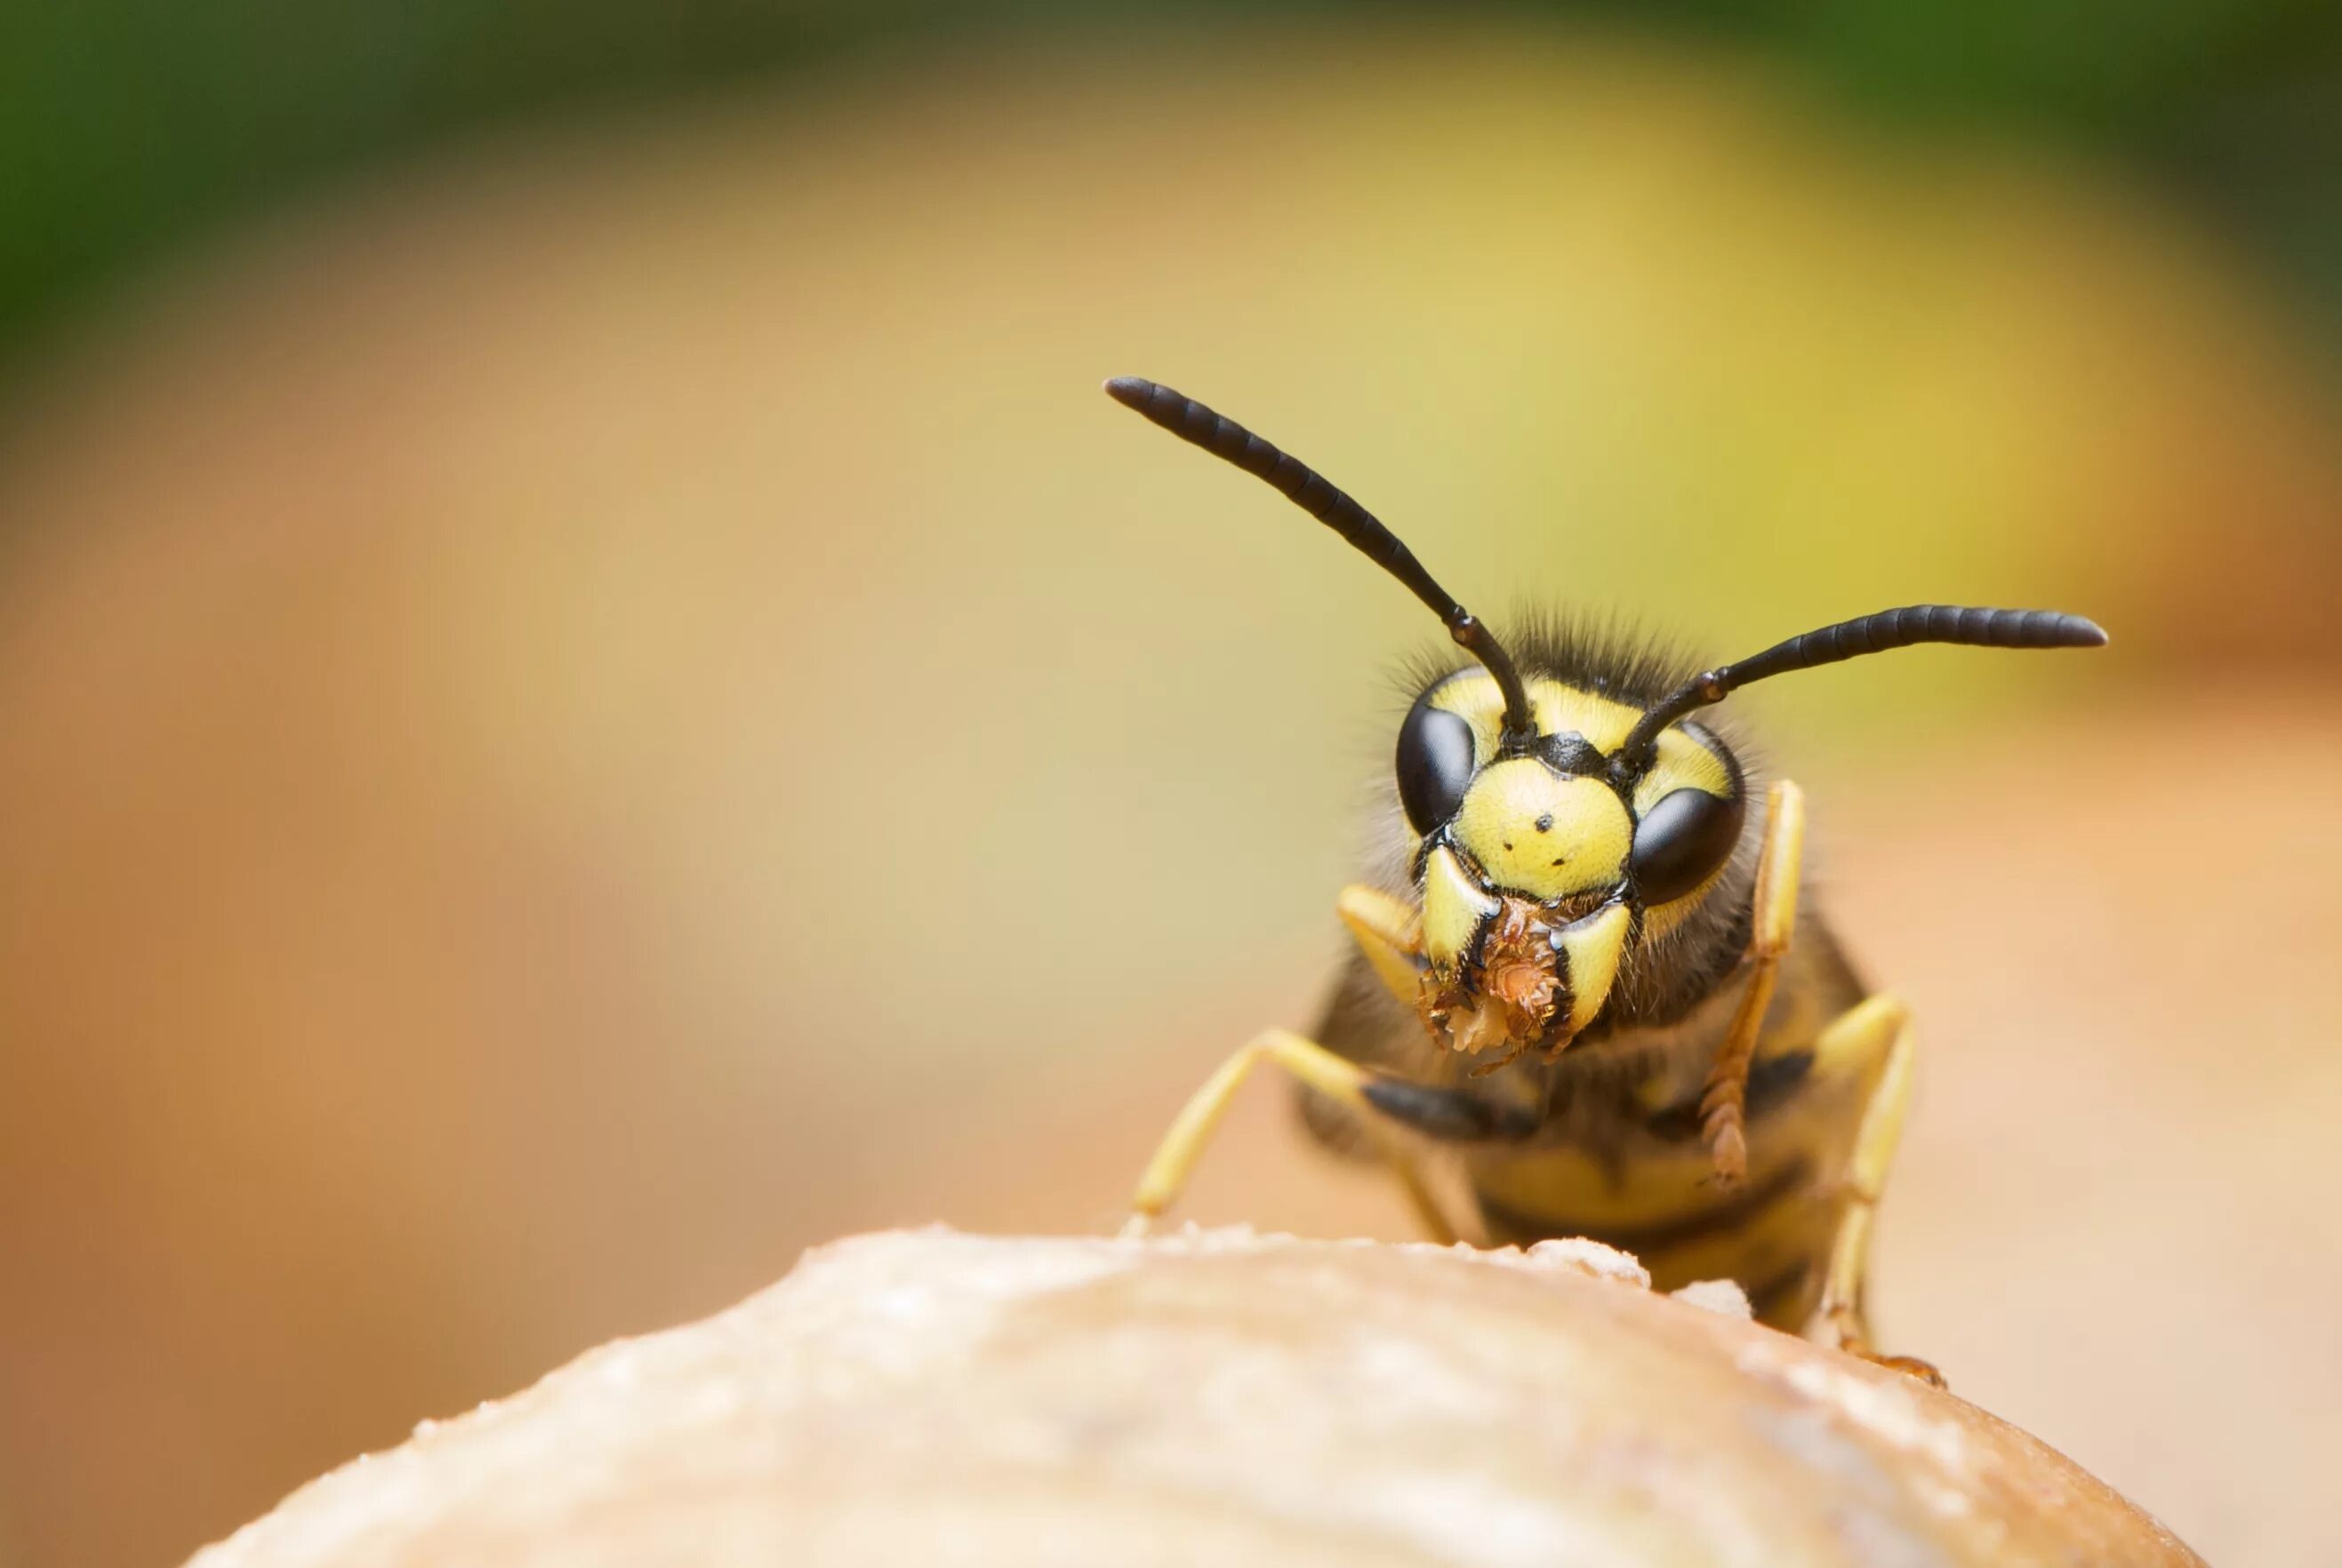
(572, 627)
(126, 127)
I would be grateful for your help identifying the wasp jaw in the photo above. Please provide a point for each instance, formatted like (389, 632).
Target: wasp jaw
(1505, 998)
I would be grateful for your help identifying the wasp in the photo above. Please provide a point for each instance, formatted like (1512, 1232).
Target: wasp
(1580, 1000)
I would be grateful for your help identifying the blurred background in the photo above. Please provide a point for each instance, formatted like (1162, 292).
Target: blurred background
(571, 613)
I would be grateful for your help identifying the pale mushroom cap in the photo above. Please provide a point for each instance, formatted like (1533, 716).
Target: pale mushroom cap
(925, 1397)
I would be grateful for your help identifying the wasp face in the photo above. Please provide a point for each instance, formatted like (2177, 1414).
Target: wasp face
(1539, 871)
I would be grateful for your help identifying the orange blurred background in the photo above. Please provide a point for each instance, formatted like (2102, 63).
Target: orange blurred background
(572, 710)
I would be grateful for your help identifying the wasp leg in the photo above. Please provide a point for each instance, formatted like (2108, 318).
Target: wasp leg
(1379, 1100)
(1723, 1101)
(1337, 1078)
(1869, 1041)
(1389, 931)
(1420, 1199)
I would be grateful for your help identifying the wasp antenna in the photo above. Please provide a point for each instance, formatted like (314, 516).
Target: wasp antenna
(1307, 488)
(1875, 634)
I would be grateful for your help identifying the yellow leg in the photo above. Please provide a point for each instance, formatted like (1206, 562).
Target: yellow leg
(1342, 1080)
(1724, 1101)
(1872, 1041)
(1419, 1199)
(1389, 931)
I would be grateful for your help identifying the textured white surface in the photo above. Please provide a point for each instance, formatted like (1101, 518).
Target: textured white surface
(1210, 1396)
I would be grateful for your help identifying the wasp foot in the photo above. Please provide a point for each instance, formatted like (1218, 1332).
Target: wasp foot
(1728, 1141)
(1909, 1366)
(1846, 1327)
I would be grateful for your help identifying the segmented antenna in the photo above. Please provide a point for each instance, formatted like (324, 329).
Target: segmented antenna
(1850, 640)
(1303, 486)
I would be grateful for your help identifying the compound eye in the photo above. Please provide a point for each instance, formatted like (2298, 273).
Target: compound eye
(1435, 765)
(1683, 841)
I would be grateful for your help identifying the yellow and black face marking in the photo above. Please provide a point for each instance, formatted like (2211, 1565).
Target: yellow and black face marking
(1584, 865)
(1552, 844)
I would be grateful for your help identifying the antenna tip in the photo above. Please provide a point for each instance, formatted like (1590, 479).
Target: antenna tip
(2081, 631)
(1130, 391)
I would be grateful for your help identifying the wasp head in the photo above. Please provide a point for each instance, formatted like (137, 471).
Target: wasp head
(1541, 858)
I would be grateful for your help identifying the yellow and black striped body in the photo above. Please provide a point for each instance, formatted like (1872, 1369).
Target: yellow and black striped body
(1581, 990)
(1619, 1154)
(1602, 1137)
